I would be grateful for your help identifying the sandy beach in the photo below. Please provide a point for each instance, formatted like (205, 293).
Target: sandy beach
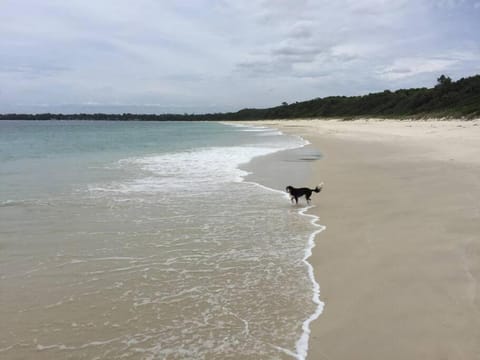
(399, 262)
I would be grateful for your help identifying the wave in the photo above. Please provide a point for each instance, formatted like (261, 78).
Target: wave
(189, 170)
(24, 202)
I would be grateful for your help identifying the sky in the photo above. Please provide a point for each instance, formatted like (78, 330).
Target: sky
(200, 56)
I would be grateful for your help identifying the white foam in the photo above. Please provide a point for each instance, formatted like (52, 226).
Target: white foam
(270, 133)
(186, 170)
(261, 130)
(302, 343)
(24, 202)
(243, 126)
(256, 129)
(301, 346)
(192, 169)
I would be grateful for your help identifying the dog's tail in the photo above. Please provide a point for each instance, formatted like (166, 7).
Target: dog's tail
(318, 188)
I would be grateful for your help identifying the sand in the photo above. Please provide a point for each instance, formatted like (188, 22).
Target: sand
(399, 262)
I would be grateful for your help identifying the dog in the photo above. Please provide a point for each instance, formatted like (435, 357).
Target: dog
(296, 193)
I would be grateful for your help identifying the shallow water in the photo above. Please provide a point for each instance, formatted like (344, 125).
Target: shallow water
(141, 241)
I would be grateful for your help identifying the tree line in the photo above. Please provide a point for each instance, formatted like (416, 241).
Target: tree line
(447, 98)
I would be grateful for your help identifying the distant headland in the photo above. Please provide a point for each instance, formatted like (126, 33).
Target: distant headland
(447, 99)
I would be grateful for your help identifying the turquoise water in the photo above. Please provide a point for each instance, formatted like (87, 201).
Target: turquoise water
(141, 240)
(40, 158)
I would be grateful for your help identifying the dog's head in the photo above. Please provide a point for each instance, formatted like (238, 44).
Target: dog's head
(288, 189)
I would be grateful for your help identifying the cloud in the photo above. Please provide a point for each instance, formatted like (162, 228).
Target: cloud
(33, 70)
(325, 34)
(301, 30)
(448, 4)
(406, 67)
(226, 52)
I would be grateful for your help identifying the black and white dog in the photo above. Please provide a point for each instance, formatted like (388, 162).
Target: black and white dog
(295, 193)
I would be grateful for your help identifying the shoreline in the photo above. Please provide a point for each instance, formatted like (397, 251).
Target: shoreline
(260, 174)
(397, 265)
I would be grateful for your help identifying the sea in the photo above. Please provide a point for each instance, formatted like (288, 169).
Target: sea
(153, 240)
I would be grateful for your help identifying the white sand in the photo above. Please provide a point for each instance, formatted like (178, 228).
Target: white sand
(399, 263)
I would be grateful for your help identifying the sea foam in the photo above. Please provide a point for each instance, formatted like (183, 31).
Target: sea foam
(301, 346)
(204, 167)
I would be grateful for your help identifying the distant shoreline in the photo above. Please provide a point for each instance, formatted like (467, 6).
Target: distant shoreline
(446, 100)
(165, 118)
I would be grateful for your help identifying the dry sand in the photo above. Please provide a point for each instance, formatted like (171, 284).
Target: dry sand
(399, 262)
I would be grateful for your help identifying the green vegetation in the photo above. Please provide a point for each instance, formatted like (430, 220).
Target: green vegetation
(447, 99)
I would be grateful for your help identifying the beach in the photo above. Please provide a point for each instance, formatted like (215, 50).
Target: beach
(399, 262)
(112, 250)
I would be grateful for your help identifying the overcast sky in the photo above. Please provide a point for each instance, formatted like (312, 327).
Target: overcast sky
(181, 56)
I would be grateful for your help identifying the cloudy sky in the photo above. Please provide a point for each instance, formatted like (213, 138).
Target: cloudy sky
(189, 56)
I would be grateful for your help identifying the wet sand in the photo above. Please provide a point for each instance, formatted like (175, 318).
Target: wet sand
(399, 262)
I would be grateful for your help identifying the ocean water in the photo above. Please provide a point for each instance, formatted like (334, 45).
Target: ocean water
(142, 240)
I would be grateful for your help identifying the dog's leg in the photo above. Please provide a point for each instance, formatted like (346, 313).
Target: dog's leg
(308, 194)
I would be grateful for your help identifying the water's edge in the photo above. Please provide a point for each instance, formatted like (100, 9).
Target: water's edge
(260, 173)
